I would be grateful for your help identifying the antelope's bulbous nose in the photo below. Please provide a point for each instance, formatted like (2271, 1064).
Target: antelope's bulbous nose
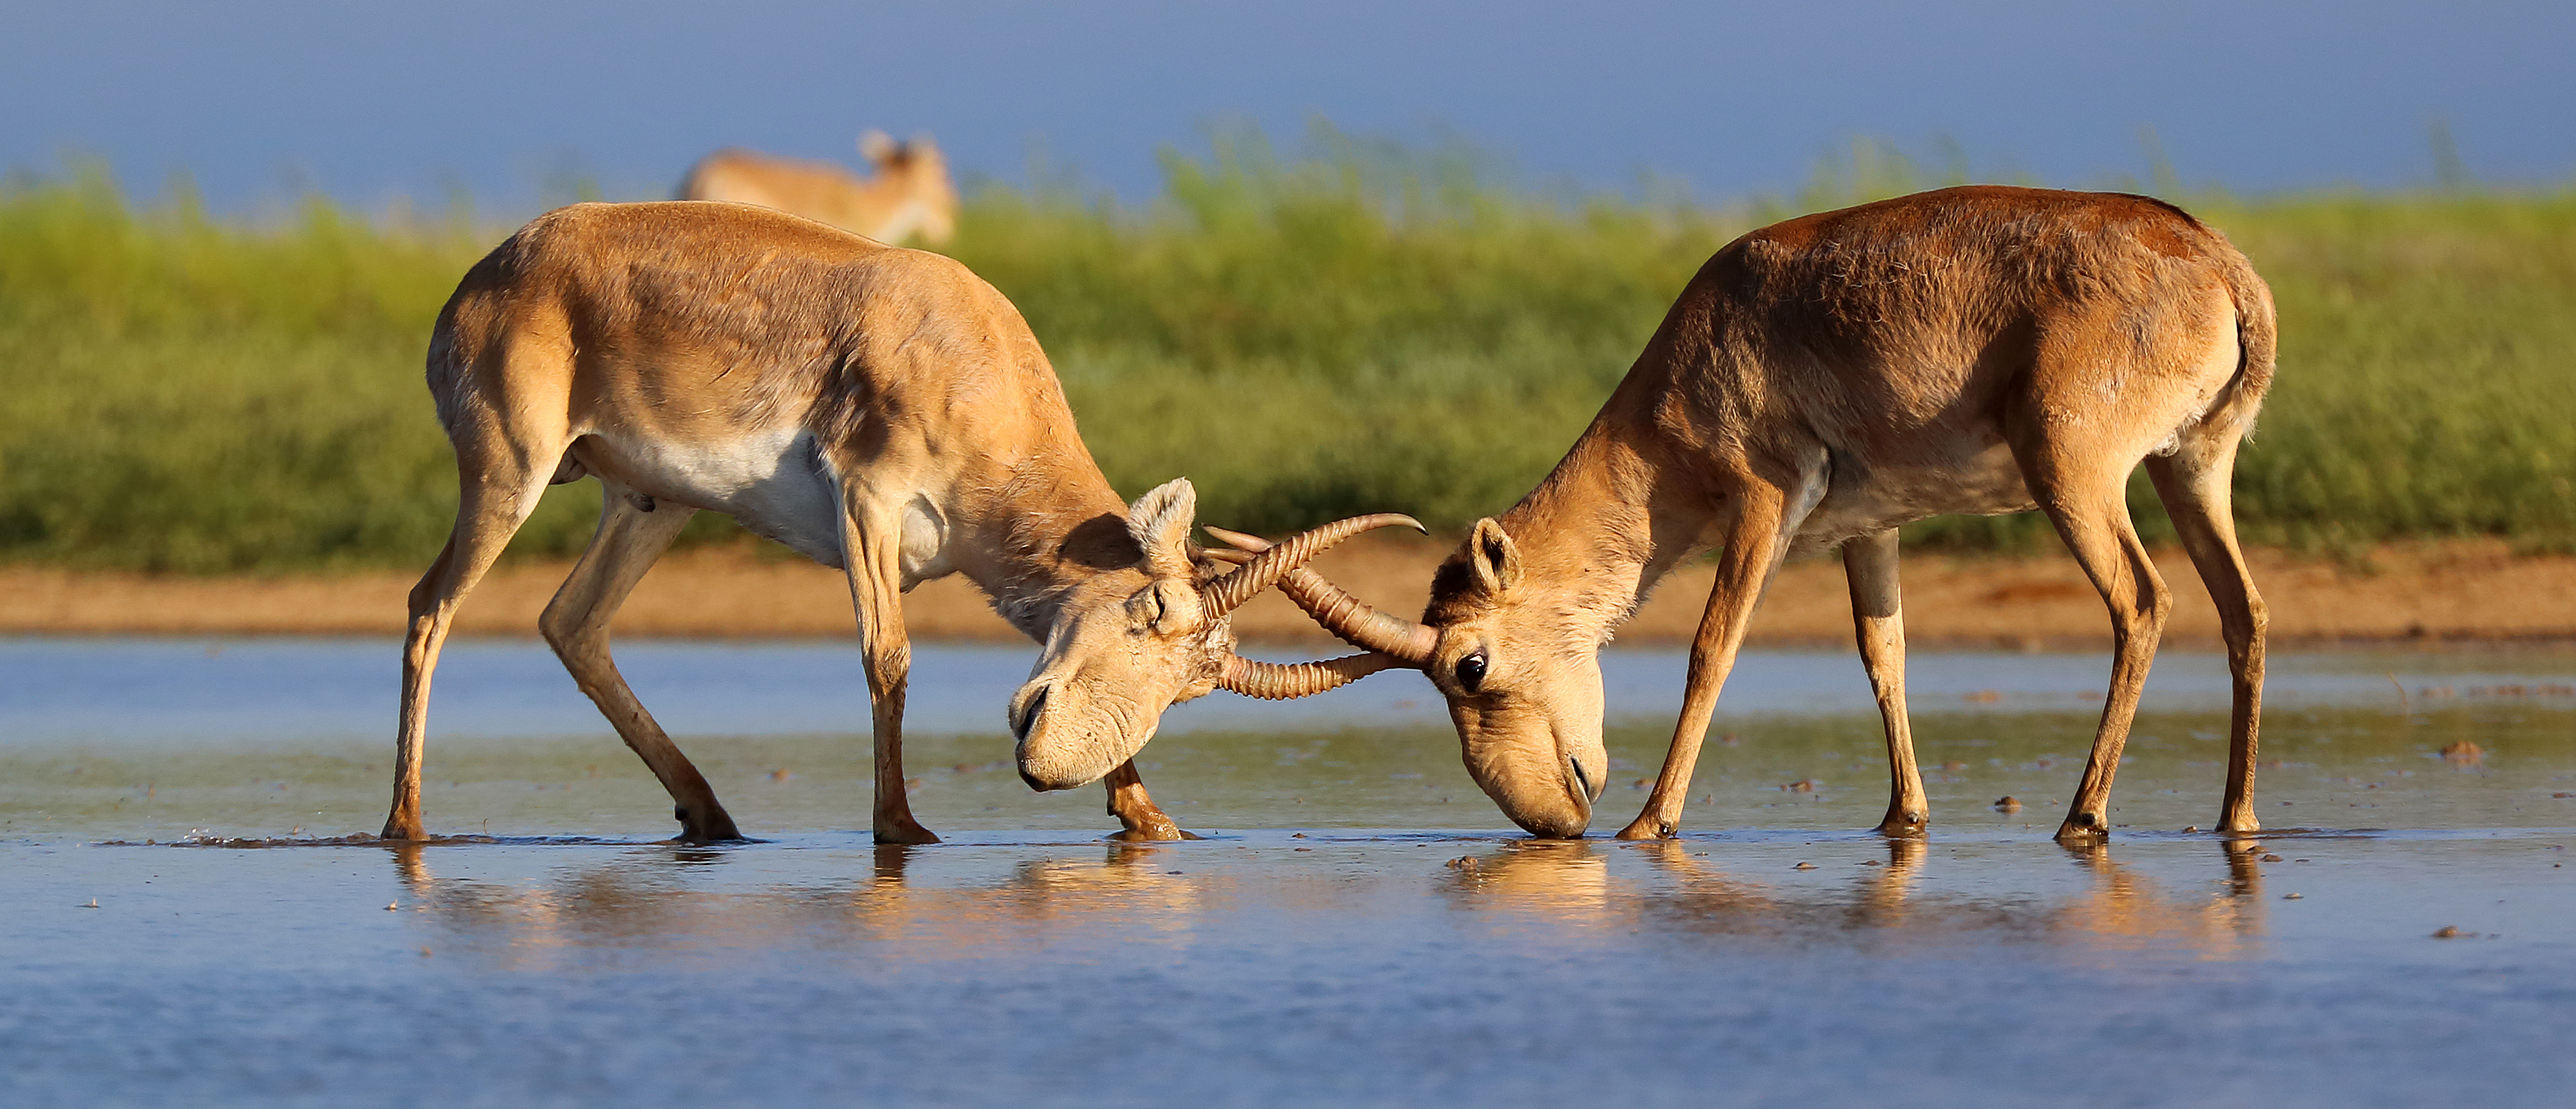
(1560, 809)
(1587, 786)
(1581, 790)
(1025, 714)
(1041, 771)
(1565, 823)
(1047, 775)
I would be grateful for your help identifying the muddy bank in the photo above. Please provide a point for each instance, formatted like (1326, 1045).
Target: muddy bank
(2462, 591)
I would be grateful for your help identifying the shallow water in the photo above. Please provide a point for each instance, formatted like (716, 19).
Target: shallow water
(1360, 927)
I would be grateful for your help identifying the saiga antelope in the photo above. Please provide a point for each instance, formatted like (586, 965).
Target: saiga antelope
(1820, 382)
(879, 410)
(910, 191)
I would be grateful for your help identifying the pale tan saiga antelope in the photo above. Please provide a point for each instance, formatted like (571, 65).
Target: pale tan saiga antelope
(1820, 382)
(910, 192)
(876, 409)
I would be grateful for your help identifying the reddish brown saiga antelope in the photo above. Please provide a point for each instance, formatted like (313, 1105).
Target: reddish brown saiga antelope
(1820, 382)
(879, 410)
(909, 193)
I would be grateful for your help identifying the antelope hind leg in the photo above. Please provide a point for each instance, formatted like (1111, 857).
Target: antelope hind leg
(2193, 485)
(2087, 502)
(575, 624)
(488, 512)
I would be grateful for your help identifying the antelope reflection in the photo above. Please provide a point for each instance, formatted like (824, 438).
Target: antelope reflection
(642, 899)
(971, 906)
(2125, 909)
(1126, 888)
(1572, 884)
(1564, 881)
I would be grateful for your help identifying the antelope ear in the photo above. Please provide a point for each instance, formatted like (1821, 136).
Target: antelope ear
(877, 146)
(1160, 523)
(1496, 560)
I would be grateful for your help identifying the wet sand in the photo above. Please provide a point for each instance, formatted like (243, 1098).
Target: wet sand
(1359, 928)
(2470, 591)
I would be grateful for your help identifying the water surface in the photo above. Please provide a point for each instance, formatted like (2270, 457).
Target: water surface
(1360, 927)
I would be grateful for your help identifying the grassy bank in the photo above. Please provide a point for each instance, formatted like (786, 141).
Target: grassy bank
(1306, 338)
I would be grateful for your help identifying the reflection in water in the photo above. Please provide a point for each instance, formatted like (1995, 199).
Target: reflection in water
(1570, 883)
(2124, 909)
(1131, 887)
(916, 904)
(1567, 881)
(645, 899)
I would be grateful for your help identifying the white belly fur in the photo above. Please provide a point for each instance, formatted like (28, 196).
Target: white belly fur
(774, 482)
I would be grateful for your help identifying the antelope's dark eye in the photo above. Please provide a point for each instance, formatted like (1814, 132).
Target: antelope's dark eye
(1471, 672)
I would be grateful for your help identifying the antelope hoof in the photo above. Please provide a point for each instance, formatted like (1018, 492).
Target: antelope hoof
(1157, 831)
(907, 833)
(407, 832)
(1903, 822)
(717, 827)
(2242, 824)
(1647, 827)
(2084, 827)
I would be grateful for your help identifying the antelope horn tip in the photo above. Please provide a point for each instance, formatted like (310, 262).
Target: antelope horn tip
(1236, 539)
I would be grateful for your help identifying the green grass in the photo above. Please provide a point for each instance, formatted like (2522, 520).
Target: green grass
(1358, 330)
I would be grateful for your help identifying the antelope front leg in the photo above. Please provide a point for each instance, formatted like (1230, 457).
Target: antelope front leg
(1752, 551)
(871, 547)
(1878, 621)
(1137, 814)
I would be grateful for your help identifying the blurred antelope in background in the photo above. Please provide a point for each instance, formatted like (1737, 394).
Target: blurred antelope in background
(881, 411)
(909, 194)
(1820, 382)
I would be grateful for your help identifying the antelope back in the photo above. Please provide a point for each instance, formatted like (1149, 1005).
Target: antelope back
(910, 192)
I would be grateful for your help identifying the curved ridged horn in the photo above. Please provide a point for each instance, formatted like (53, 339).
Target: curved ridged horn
(1228, 593)
(1276, 681)
(1344, 615)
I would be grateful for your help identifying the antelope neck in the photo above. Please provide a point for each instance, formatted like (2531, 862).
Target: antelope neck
(1036, 537)
(1600, 530)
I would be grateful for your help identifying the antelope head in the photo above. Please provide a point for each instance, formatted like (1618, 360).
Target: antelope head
(921, 172)
(1527, 702)
(1133, 641)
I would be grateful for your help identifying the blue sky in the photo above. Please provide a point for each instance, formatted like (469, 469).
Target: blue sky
(369, 102)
